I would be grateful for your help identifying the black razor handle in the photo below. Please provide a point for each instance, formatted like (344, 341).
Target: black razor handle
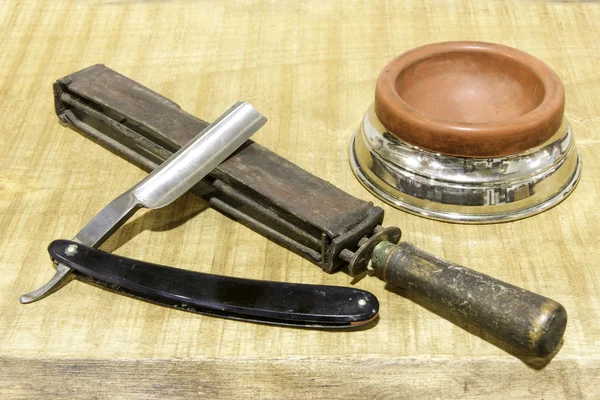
(277, 303)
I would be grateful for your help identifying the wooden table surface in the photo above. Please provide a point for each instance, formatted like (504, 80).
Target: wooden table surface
(311, 68)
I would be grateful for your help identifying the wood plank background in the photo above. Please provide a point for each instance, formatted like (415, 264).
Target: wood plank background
(311, 68)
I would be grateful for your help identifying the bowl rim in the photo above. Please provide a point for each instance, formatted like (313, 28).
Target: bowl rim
(492, 139)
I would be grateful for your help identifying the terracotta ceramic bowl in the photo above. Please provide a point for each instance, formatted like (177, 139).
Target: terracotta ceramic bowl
(470, 99)
(467, 132)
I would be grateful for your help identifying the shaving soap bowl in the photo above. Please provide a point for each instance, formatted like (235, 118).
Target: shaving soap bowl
(467, 132)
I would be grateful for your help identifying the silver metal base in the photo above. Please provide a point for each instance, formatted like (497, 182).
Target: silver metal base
(462, 189)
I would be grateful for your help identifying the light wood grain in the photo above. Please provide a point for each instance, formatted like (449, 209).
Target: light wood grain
(311, 68)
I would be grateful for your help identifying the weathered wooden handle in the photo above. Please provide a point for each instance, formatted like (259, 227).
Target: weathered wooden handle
(525, 320)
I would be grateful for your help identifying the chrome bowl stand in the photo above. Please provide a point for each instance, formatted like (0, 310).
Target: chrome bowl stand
(463, 189)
